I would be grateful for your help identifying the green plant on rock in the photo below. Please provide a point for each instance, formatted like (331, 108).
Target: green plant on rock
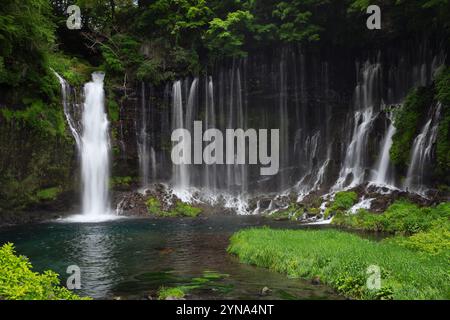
(406, 121)
(48, 194)
(19, 282)
(342, 202)
(154, 206)
(184, 210)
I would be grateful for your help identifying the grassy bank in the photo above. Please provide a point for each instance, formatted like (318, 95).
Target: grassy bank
(341, 260)
(401, 217)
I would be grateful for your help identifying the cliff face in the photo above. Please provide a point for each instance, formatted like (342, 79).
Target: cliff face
(333, 108)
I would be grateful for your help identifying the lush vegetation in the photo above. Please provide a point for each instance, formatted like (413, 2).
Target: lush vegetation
(341, 260)
(208, 280)
(407, 122)
(180, 209)
(443, 137)
(342, 202)
(401, 217)
(19, 282)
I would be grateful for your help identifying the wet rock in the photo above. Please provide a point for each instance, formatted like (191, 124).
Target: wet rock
(265, 291)
(316, 281)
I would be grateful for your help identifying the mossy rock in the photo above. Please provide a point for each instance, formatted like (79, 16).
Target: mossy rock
(181, 209)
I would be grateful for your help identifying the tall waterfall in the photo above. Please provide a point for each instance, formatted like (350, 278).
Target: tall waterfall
(353, 171)
(143, 147)
(92, 140)
(382, 174)
(180, 172)
(95, 151)
(421, 153)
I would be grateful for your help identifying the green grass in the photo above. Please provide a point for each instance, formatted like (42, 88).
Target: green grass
(341, 260)
(401, 217)
(19, 282)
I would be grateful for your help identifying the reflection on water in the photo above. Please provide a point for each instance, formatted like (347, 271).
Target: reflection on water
(133, 258)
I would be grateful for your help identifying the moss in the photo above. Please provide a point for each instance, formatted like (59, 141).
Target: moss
(176, 293)
(48, 194)
(407, 120)
(184, 210)
(154, 206)
(120, 182)
(342, 202)
(44, 119)
(208, 280)
(293, 212)
(180, 209)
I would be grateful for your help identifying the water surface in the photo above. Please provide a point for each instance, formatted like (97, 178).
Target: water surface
(133, 258)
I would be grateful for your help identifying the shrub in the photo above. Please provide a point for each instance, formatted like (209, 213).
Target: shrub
(19, 282)
(401, 217)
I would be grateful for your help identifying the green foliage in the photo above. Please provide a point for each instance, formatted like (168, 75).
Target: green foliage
(435, 241)
(443, 137)
(173, 293)
(26, 35)
(341, 260)
(225, 38)
(19, 282)
(184, 210)
(45, 119)
(293, 212)
(120, 181)
(180, 209)
(48, 194)
(407, 123)
(295, 21)
(154, 206)
(342, 202)
(401, 217)
(73, 70)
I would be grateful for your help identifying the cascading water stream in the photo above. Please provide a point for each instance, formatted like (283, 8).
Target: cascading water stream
(421, 153)
(382, 176)
(143, 150)
(94, 149)
(355, 165)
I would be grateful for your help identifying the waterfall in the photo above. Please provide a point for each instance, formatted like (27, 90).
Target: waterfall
(355, 163)
(95, 151)
(65, 92)
(92, 140)
(422, 152)
(210, 170)
(143, 150)
(180, 172)
(382, 176)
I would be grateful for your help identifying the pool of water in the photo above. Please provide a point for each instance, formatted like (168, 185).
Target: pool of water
(133, 258)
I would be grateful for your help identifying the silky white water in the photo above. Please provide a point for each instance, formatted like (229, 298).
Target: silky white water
(94, 153)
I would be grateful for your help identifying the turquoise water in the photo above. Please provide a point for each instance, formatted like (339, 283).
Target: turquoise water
(133, 258)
